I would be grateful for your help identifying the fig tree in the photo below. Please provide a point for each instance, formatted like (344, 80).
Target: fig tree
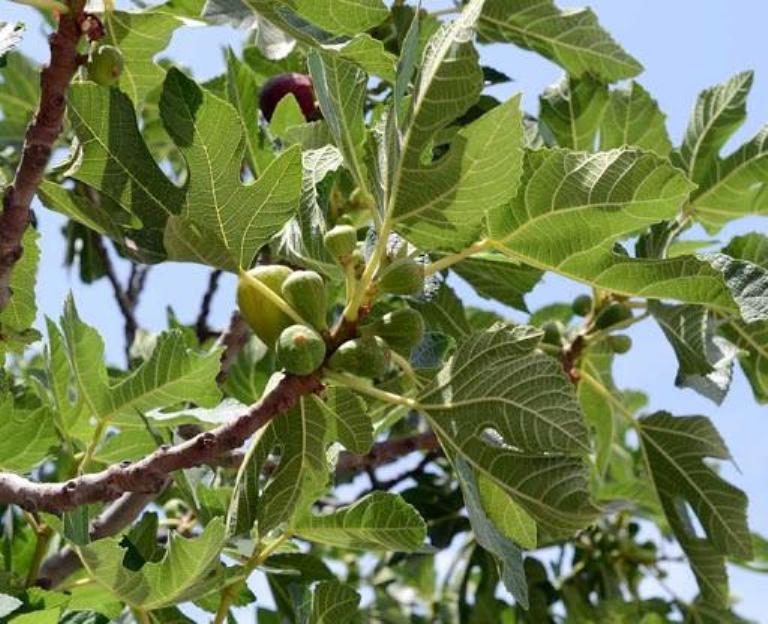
(300, 350)
(612, 314)
(298, 85)
(341, 241)
(402, 329)
(266, 319)
(403, 277)
(105, 65)
(305, 291)
(582, 305)
(365, 357)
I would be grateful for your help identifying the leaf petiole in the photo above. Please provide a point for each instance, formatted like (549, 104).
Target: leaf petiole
(270, 294)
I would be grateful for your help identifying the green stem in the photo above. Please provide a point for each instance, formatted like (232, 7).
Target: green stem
(355, 383)
(44, 534)
(141, 616)
(451, 259)
(601, 334)
(229, 593)
(405, 366)
(98, 433)
(371, 268)
(270, 294)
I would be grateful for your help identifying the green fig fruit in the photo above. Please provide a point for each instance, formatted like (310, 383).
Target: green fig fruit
(553, 333)
(403, 277)
(341, 241)
(620, 343)
(402, 329)
(361, 200)
(300, 350)
(266, 319)
(582, 305)
(305, 291)
(364, 357)
(612, 314)
(105, 65)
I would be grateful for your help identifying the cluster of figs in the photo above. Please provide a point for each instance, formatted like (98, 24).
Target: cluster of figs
(302, 348)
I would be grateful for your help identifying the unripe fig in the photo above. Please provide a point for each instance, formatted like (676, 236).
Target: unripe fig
(611, 315)
(266, 319)
(361, 200)
(553, 333)
(300, 350)
(365, 357)
(620, 343)
(582, 305)
(402, 329)
(305, 292)
(298, 85)
(105, 65)
(340, 241)
(403, 277)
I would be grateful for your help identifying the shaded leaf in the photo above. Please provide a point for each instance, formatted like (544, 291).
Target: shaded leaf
(509, 411)
(506, 552)
(675, 449)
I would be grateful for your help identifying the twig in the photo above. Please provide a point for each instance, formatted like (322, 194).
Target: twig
(149, 474)
(428, 458)
(201, 325)
(112, 520)
(386, 452)
(125, 302)
(136, 283)
(234, 338)
(40, 138)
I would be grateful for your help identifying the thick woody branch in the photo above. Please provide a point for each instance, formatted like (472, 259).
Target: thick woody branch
(40, 138)
(149, 475)
(126, 509)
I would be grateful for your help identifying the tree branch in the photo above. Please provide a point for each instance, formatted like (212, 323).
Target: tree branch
(233, 339)
(40, 138)
(201, 324)
(127, 508)
(125, 301)
(149, 474)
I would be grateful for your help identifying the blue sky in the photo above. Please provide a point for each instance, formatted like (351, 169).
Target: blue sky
(685, 46)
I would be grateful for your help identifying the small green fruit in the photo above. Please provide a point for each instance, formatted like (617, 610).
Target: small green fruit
(582, 305)
(402, 329)
(266, 319)
(105, 65)
(365, 357)
(620, 343)
(340, 241)
(300, 350)
(361, 200)
(615, 313)
(553, 333)
(403, 277)
(305, 292)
